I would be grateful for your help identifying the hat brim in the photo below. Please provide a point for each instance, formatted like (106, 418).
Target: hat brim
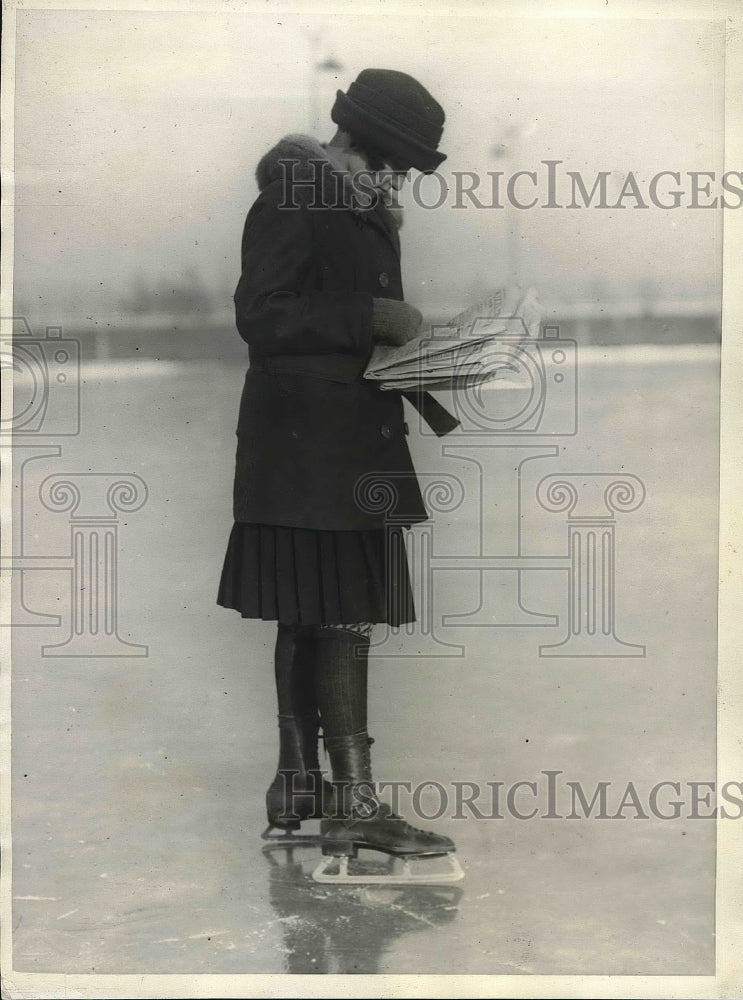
(408, 151)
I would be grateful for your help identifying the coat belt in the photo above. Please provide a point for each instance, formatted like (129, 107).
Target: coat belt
(350, 368)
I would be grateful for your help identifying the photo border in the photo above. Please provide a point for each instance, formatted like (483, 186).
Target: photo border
(728, 981)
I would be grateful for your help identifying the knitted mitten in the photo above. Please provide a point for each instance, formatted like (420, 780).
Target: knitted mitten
(395, 322)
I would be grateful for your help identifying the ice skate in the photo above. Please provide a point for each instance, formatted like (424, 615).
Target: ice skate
(408, 870)
(297, 793)
(360, 821)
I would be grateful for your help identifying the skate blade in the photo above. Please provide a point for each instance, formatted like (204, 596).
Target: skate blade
(288, 838)
(404, 876)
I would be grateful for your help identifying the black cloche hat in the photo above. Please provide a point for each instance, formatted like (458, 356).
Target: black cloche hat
(396, 115)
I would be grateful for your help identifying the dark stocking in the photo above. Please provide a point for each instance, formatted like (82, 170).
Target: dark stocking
(341, 667)
(293, 664)
(297, 790)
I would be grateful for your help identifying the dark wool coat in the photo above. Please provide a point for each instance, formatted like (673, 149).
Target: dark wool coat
(318, 446)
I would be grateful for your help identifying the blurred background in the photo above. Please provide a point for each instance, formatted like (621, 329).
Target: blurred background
(137, 136)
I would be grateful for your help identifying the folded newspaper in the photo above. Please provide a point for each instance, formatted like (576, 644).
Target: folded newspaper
(476, 347)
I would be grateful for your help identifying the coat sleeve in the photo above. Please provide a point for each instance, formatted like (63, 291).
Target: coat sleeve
(279, 307)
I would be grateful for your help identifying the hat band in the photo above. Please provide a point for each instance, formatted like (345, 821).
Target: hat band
(430, 133)
(409, 148)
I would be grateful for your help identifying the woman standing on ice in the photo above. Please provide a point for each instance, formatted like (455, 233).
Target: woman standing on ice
(320, 286)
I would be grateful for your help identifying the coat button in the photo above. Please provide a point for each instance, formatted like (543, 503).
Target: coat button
(386, 431)
(384, 279)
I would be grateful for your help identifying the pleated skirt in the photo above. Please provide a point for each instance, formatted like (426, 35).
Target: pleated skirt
(307, 577)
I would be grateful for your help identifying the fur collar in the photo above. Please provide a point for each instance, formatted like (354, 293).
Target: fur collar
(309, 160)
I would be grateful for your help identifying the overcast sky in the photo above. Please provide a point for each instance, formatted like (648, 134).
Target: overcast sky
(137, 135)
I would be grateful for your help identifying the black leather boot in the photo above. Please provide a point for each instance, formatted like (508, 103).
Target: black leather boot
(298, 790)
(359, 819)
